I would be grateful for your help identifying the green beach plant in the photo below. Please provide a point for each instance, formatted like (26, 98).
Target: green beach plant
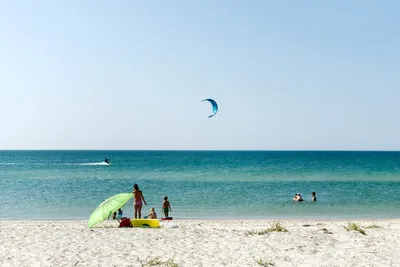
(277, 227)
(265, 263)
(355, 227)
(274, 227)
(158, 262)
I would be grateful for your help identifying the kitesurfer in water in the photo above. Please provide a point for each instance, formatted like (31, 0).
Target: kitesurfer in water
(106, 161)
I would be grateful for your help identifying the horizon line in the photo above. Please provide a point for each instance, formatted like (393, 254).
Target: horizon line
(212, 150)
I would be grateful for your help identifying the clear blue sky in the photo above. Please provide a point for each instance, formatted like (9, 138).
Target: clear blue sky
(132, 74)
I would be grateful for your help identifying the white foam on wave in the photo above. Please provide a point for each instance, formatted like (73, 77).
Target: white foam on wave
(88, 164)
(95, 164)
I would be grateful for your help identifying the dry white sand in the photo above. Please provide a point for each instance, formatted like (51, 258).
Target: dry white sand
(199, 243)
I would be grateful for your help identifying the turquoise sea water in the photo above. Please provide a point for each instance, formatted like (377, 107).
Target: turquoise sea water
(202, 184)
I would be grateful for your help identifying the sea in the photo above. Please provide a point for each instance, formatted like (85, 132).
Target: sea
(69, 185)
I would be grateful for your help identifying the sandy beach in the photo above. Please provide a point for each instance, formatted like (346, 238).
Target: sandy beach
(200, 243)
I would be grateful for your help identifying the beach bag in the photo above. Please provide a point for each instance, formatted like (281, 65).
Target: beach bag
(125, 222)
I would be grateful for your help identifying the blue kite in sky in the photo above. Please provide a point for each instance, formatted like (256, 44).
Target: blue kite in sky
(214, 106)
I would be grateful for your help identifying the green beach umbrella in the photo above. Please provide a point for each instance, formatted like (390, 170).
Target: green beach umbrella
(105, 209)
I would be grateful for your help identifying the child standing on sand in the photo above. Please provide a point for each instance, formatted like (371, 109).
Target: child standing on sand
(166, 207)
(120, 212)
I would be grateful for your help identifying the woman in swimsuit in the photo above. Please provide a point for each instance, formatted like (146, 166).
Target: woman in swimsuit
(137, 201)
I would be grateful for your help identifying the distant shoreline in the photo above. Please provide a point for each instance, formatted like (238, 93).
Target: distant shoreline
(202, 150)
(292, 219)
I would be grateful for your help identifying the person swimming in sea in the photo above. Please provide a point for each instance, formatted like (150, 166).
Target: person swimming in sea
(313, 197)
(298, 197)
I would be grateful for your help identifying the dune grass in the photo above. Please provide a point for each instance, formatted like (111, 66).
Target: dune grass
(158, 262)
(277, 227)
(265, 263)
(355, 227)
(274, 227)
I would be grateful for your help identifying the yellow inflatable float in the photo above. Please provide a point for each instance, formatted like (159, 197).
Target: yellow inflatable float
(152, 223)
